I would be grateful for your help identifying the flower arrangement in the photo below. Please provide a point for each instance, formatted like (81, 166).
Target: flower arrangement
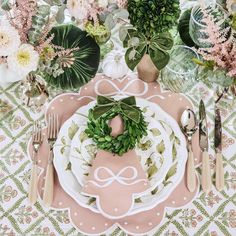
(28, 44)
(97, 17)
(23, 40)
(220, 56)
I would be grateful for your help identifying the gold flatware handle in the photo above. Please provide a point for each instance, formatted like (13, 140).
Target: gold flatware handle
(206, 173)
(191, 177)
(49, 185)
(219, 172)
(33, 186)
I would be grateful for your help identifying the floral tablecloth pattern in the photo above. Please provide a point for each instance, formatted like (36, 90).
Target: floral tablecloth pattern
(212, 214)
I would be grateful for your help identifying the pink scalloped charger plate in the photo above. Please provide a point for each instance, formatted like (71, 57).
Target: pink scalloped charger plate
(65, 105)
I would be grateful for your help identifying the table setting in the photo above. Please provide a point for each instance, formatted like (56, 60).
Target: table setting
(117, 117)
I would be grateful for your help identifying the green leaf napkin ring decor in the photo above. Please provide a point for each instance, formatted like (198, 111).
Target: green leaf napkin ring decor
(100, 130)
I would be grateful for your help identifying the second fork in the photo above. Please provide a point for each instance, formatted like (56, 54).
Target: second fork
(53, 129)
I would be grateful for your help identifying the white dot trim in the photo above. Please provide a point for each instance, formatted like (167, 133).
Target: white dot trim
(150, 223)
(93, 228)
(81, 223)
(115, 209)
(125, 223)
(75, 214)
(137, 227)
(60, 203)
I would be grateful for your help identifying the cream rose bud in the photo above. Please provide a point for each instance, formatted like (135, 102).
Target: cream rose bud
(102, 3)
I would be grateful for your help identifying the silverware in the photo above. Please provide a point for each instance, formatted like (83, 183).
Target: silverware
(53, 129)
(36, 142)
(189, 126)
(203, 141)
(218, 147)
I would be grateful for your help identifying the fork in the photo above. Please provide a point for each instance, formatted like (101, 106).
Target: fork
(36, 142)
(53, 129)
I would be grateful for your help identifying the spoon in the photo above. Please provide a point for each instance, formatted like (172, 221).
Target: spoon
(189, 127)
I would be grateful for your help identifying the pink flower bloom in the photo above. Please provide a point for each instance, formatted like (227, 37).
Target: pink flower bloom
(223, 48)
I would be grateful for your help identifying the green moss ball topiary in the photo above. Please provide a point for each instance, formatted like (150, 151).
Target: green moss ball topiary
(153, 16)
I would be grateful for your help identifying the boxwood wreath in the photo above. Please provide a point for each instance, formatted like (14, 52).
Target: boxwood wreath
(135, 127)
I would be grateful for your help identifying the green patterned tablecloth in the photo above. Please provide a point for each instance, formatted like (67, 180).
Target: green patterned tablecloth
(212, 214)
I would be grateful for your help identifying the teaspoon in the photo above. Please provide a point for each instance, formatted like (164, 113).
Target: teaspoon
(189, 127)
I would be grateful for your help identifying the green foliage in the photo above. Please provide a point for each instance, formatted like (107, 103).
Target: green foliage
(100, 132)
(153, 16)
(5, 5)
(86, 58)
(233, 21)
(112, 19)
(209, 75)
(139, 45)
(38, 22)
(99, 32)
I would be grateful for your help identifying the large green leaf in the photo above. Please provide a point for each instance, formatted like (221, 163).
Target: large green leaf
(162, 41)
(183, 28)
(138, 53)
(159, 57)
(133, 33)
(86, 57)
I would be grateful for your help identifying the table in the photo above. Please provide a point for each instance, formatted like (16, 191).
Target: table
(212, 214)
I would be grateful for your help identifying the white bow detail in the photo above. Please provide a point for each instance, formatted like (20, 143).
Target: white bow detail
(117, 91)
(116, 177)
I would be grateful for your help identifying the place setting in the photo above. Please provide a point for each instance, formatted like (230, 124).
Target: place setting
(117, 117)
(116, 182)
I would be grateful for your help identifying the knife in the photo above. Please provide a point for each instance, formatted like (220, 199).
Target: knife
(203, 141)
(218, 147)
